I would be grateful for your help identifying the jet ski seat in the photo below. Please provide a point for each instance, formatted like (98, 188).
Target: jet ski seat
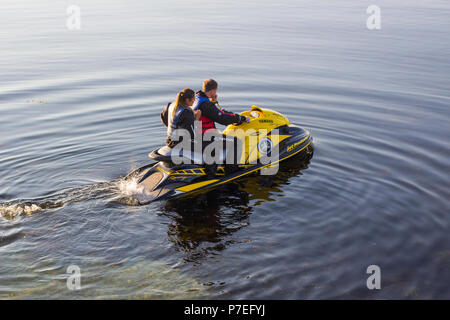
(166, 154)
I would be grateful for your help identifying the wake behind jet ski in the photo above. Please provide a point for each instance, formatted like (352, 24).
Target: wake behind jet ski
(267, 133)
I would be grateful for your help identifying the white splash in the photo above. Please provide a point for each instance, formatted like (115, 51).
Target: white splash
(130, 187)
(12, 211)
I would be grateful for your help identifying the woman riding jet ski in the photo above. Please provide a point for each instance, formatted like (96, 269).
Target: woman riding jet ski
(264, 139)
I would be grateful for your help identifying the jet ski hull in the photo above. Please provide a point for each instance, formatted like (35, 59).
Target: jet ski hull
(165, 180)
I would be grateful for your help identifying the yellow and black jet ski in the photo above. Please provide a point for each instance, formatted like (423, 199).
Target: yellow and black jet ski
(266, 140)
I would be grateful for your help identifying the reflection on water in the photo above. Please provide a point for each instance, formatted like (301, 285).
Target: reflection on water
(203, 224)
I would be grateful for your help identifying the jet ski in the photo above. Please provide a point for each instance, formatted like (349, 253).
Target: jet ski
(265, 141)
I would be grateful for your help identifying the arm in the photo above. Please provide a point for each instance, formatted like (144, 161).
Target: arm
(223, 117)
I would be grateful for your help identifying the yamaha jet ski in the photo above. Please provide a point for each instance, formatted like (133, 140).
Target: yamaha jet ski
(267, 139)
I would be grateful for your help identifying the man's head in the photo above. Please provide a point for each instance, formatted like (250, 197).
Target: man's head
(210, 87)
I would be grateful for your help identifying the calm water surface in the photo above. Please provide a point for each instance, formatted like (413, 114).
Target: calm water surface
(80, 110)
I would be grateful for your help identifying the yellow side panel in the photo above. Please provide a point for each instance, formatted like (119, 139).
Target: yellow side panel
(197, 185)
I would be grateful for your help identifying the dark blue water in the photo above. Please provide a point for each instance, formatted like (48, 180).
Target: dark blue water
(80, 110)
